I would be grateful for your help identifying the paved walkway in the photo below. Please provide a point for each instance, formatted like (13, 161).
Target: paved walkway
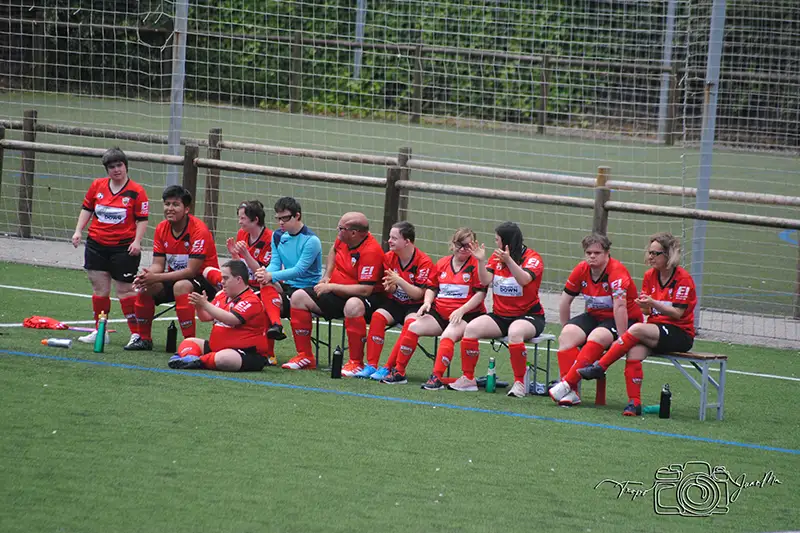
(724, 327)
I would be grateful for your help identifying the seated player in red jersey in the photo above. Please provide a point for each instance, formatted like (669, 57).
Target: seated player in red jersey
(456, 298)
(609, 295)
(238, 342)
(668, 300)
(118, 208)
(253, 245)
(515, 273)
(182, 249)
(350, 288)
(406, 272)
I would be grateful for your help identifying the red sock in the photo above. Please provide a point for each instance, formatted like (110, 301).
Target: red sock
(270, 347)
(301, 328)
(633, 381)
(407, 344)
(214, 276)
(100, 304)
(396, 349)
(272, 303)
(188, 347)
(375, 338)
(566, 358)
(590, 353)
(618, 349)
(470, 352)
(185, 312)
(356, 336)
(209, 360)
(145, 310)
(519, 360)
(128, 306)
(444, 356)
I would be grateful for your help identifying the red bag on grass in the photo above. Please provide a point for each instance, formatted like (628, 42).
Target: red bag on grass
(43, 322)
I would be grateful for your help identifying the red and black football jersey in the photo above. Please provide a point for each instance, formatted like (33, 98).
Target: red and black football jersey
(599, 294)
(195, 242)
(677, 292)
(509, 298)
(416, 272)
(114, 215)
(456, 287)
(249, 310)
(360, 265)
(261, 250)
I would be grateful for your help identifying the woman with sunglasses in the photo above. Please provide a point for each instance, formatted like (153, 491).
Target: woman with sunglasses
(456, 298)
(610, 295)
(668, 299)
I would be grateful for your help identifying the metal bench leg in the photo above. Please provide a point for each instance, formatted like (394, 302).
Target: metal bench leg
(703, 390)
(723, 367)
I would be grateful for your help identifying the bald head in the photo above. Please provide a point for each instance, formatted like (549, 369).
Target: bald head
(352, 227)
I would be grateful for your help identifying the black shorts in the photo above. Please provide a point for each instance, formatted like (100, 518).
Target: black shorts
(671, 338)
(588, 323)
(332, 305)
(113, 259)
(504, 322)
(444, 322)
(252, 361)
(199, 284)
(398, 311)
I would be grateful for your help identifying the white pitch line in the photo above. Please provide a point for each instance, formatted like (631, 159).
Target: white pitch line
(337, 324)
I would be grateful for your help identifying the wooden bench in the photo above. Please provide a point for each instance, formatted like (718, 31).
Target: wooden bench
(702, 362)
(532, 383)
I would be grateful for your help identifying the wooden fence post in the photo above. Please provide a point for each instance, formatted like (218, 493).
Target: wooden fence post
(212, 180)
(26, 177)
(402, 161)
(416, 96)
(544, 94)
(393, 208)
(190, 153)
(602, 194)
(296, 74)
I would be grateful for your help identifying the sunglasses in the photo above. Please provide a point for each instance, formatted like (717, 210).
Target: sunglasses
(653, 253)
(285, 218)
(461, 246)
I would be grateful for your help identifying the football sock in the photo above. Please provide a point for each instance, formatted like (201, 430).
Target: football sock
(375, 339)
(188, 347)
(396, 348)
(100, 304)
(407, 344)
(470, 352)
(633, 381)
(272, 303)
(356, 328)
(301, 328)
(566, 358)
(618, 349)
(209, 360)
(590, 353)
(128, 306)
(145, 310)
(444, 356)
(185, 312)
(519, 360)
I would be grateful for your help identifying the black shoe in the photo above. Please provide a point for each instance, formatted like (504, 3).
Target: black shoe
(594, 371)
(433, 383)
(188, 362)
(632, 409)
(395, 378)
(139, 344)
(275, 332)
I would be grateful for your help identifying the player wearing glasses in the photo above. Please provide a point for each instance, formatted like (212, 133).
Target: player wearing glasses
(456, 298)
(348, 290)
(668, 299)
(609, 295)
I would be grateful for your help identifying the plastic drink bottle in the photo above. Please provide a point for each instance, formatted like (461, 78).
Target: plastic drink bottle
(172, 338)
(100, 338)
(491, 377)
(666, 402)
(336, 364)
(57, 343)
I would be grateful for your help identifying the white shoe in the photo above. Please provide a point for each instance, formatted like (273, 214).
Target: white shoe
(134, 337)
(559, 391)
(90, 338)
(464, 384)
(569, 400)
(517, 389)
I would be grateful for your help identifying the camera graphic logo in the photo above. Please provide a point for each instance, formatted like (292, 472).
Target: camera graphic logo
(691, 489)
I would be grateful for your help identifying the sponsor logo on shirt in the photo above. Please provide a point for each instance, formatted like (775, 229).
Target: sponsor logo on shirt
(452, 291)
(145, 207)
(366, 272)
(682, 293)
(197, 246)
(110, 215)
(126, 201)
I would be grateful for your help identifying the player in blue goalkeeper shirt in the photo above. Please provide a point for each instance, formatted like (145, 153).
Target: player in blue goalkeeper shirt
(296, 263)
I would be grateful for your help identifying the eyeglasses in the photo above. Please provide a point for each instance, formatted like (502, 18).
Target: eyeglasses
(653, 253)
(461, 245)
(342, 228)
(285, 218)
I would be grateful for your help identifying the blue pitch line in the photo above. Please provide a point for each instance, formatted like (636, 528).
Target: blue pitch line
(786, 236)
(224, 377)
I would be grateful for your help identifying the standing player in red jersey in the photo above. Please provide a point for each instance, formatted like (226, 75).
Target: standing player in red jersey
(668, 299)
(253, 245)
(182, 249)
(515, 272)
(407, 269)
(118, 208)
(349, 288)
(238, 342)
(610, 297)
(456, 298)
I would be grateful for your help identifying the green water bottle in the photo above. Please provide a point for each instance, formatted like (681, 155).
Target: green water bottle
(491, 377)
(100, 338)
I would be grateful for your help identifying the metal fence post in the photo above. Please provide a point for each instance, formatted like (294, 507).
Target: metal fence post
(544, 94)
(295, 74)
(602, 194)
(212, 180)
(25, 207)
(416, 96)
(2, 156)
